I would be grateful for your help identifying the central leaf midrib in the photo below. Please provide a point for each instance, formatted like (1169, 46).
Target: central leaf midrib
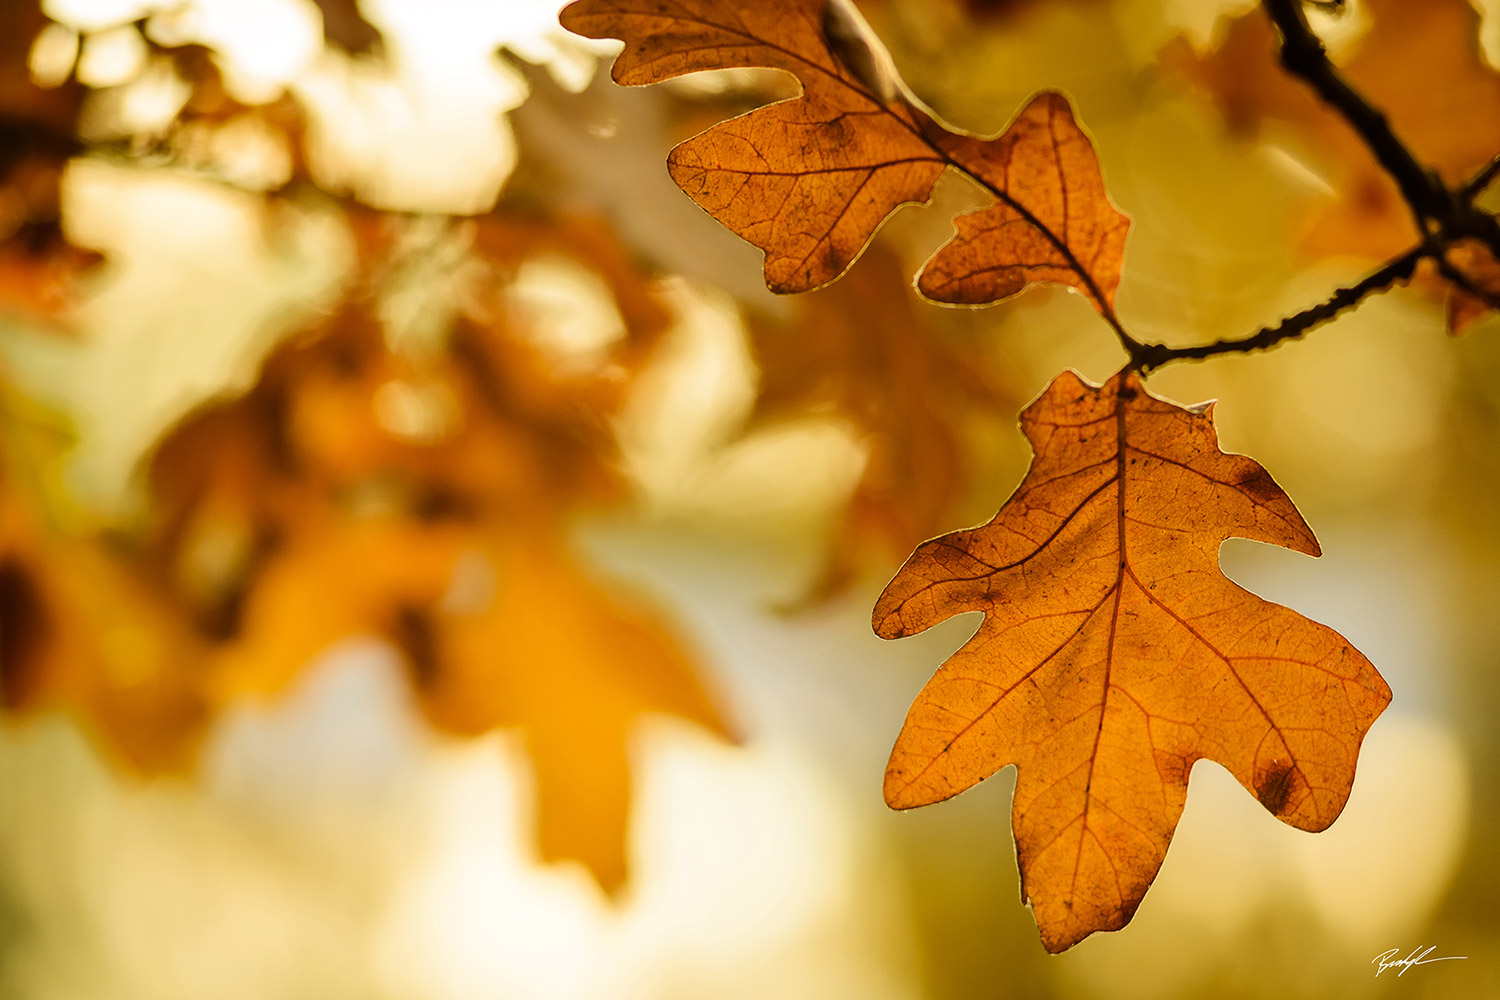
(1114, 621)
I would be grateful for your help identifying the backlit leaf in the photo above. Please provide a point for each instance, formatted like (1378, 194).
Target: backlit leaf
(1046, 165)
(1114, 653)
(809, 180)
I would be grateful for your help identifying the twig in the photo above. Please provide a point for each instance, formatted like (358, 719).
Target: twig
(1476, 184)
(1442, 215)
(1399, 269)
(1303, 55)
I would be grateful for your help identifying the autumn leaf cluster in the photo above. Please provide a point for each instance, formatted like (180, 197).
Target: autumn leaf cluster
(425, 491)
(1113, 653)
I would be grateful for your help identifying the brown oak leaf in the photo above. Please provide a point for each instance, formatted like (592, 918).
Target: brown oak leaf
(1114, 653)
(809, 180)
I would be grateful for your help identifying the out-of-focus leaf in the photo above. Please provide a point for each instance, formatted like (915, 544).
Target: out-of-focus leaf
(500, 628)
(38, 266)
(82, 630)
(422, 496)
(865, 348)
(600, 150)
(345, 26)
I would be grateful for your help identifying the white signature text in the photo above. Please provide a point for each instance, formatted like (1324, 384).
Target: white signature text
(1388, 960)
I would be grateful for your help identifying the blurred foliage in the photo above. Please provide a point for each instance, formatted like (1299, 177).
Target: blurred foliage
(521, 317)
(410, 480)
(417, 491)
(1449, 121)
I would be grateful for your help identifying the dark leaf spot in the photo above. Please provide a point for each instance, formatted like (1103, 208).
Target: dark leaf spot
(25, 625)
(1274, 786)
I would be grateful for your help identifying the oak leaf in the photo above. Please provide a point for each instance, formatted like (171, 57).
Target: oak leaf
(1055, 224)
(809, 180)
(1114, 653)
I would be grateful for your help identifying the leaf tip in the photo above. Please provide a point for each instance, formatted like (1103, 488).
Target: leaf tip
(571, 17)
(896, 790)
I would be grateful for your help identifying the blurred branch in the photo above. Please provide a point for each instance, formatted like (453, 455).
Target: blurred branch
(1397, 270)
(1443, 215)
(1303, 55)
(1476, 185)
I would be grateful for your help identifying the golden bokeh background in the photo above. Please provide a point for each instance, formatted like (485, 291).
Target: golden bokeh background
(432, 566)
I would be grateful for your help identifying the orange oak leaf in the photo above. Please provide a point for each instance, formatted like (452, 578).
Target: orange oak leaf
(809, 180)
(1057, 225)
(1114, 653)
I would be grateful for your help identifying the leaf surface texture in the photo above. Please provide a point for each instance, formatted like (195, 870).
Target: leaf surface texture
(1114, 653)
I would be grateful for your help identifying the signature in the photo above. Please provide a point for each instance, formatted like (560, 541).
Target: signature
(1418, 956)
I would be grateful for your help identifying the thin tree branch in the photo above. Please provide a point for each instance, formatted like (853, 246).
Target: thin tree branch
(1442, 215)
(1476, 184)
(1303, 55)
(1396, 270)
